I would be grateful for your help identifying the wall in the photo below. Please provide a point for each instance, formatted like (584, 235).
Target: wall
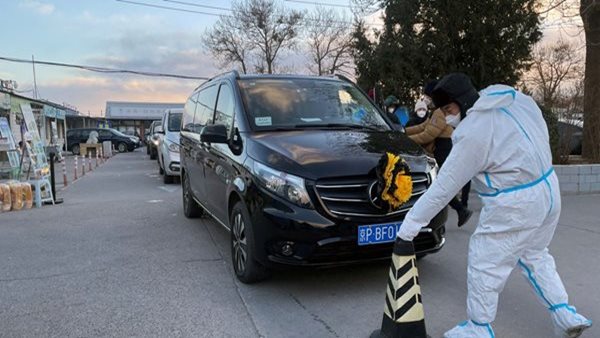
(579, 179)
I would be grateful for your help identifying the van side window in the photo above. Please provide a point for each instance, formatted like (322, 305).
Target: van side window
(187, 122)
(104, 134)
(225, 107)
(85, 134)
(205, 108)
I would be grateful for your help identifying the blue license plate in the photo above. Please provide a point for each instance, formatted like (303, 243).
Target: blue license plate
(377, 233)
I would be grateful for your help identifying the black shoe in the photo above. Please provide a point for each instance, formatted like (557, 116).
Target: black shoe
(463, 216)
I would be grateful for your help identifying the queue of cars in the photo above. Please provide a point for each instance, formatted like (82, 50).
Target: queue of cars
(287, 164)
(120, 141)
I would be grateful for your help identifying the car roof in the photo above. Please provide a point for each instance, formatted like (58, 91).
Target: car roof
(289, 77)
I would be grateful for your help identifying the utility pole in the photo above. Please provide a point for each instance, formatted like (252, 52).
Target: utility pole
(35, 91)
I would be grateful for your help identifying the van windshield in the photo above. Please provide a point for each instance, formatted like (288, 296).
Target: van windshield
(273, 104)
(175, 121)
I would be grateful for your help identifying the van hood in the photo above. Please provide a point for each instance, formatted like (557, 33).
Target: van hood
(332, 153)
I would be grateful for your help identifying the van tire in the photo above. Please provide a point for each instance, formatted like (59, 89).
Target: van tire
(243, 248)
(152, 154)
(191, 209)
(122, 147)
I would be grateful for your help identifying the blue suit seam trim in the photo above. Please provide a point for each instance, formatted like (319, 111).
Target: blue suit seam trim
(534, 283)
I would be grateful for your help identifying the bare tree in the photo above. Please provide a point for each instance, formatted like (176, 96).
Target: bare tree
(588, 11)
(590, 14)
(329, 40)
(254, 34)
(553, 68)
(226, 42)
(268, 28)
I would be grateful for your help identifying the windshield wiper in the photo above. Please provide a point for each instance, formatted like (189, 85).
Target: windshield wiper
(335, 126)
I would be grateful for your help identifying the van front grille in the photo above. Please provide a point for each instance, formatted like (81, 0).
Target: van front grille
(355, 196)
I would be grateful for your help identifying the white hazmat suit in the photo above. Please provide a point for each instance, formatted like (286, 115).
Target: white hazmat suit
(503, 145)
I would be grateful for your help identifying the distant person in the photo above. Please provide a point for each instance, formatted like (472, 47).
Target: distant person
(397, 114)
(427, 92)
(435, 136)
(419, 115)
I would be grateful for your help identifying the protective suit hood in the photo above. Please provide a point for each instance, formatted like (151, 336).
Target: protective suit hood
(494, 97)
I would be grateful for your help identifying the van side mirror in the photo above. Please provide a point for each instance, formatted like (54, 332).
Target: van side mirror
(214, 133)
(159, 130)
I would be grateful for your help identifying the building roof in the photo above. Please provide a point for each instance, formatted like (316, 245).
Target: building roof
(123, 110)
(43, 102)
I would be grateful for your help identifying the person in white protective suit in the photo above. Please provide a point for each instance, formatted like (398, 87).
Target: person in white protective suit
(501, 142)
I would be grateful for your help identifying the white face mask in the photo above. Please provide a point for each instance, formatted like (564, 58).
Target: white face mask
(421, 113)
(453, 120)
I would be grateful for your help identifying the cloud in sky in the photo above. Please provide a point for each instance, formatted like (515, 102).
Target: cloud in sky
(40, 7)
(143, 44)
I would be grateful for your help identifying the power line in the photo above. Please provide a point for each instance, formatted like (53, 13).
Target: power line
(103, 69)
(170, 8)
(318, 3)
(198, 5)
(347, 23)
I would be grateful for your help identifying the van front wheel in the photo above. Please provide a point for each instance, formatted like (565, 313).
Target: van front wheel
(191, 209)
(246, 268)
(122, 147)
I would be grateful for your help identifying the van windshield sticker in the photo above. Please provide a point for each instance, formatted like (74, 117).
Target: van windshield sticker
(310, 119)
(263, 121)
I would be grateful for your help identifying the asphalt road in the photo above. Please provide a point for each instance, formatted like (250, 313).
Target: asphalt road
(118, 258)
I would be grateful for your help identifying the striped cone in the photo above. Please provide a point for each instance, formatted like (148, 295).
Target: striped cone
(76, 169)
(96, 157)
(403, 315)
(90, 161)
(82, 165)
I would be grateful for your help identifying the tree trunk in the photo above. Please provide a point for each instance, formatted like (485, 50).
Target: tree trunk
(590, 13)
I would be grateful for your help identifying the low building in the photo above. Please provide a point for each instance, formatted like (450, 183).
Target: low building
(135, 117)
(46, 114)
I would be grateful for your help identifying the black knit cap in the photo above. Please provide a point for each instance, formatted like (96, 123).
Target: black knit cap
(455, 87)
(428, 89)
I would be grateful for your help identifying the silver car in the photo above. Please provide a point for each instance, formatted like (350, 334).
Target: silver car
(168, 145)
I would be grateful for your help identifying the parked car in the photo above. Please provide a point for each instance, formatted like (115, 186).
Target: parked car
(119, 140)
(135, 135)
(168, 145)
(287, 164)
(570, 135)
(151, 149)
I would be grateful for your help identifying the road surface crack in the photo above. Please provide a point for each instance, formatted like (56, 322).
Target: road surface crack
(580, 228)
(314, 316)
(49, 276)
(234, 281)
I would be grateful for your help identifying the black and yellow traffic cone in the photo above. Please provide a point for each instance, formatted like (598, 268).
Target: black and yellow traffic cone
(403, 316)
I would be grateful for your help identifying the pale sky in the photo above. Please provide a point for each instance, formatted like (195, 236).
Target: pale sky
(108, 33)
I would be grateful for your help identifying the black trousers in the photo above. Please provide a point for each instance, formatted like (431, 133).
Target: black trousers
(443, 146)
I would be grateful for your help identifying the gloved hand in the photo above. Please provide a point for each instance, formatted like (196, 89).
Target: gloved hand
(409, 230)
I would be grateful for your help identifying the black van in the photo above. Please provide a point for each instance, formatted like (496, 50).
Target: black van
(287, 164)
(120, 141)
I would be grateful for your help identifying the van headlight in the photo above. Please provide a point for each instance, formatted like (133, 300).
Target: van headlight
(432, 169)
(284, 185)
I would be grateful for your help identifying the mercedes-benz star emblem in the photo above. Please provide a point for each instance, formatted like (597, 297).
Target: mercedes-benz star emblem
(374, 197)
